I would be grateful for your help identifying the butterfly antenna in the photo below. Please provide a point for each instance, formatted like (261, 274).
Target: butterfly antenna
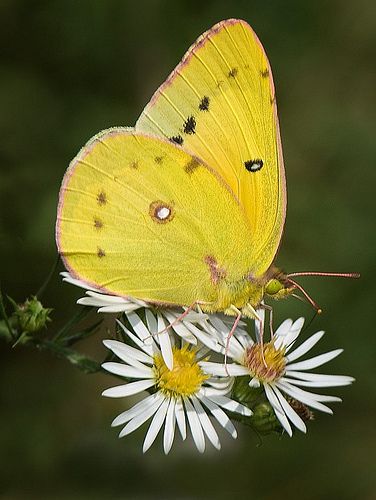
(310, 300)
(317, 273)
(310, 322)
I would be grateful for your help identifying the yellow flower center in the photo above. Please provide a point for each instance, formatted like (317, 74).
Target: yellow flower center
(265, 362)
(184, 379)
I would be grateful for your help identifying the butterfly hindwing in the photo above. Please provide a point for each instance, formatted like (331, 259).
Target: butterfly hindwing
(138, 216)
(219, 104)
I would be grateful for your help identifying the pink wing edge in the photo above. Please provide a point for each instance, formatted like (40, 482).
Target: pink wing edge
(84, 151)
(201, 40)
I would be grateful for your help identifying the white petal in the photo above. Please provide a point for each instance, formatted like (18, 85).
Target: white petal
(67, 277)
(222, 370)
(204, 338)
(289, 411)
(202, 352)
(220, 383)
(230, 405)
(254, 383)
(128, 354)
(195, 425)
(128, 371)
(221, 330)
(138, 420)
(304, 383)
(305, 397)
(314, 362)
(196, 317)
(95, 302)
(155, 425)
(283, 328)
(180, 418)
(139, 328)
(120, 391)
(137, 409)
(209, 391)
(278, 410)
(150, 349)
(151, 322)
(179, 327)
(294, 333)
(305, 347)
(219, 388)
(219, 414)
(317, 397)
(206, 424)
(107, 300)
(126, 308)
(261, 314)
(165, 344)
(169, 431)
(318, 378)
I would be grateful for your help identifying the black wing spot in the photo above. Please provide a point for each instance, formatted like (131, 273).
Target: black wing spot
(253, 165)
(204, 103)
(191, 166)
(189, 126)
(101, 253)
(265, 73)
(134, 165)
(101, 198)
(177, 139)
(158, 160)
(233, 72)
(98, 224)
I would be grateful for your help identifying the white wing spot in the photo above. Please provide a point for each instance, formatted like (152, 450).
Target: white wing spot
(161, 212)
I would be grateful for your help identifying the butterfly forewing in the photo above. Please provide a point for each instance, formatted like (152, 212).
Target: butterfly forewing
(219, 104)
(140, 217)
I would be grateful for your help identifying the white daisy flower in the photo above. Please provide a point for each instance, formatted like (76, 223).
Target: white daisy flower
(184, 394)
(105, 302)
(273, 365)
(191, 326)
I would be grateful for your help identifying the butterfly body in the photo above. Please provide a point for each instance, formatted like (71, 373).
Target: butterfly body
(188, 207)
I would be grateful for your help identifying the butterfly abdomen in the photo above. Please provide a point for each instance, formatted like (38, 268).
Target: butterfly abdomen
(234, 294)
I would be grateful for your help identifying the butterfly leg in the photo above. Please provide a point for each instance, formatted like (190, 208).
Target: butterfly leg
(180, 318)
(270, 309)
(261, 328)
(231, 333)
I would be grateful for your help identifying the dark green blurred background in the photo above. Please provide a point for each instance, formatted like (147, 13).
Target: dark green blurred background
(69, 69)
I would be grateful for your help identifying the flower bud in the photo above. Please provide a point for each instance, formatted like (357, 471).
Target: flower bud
(31, 315)
(264, 420)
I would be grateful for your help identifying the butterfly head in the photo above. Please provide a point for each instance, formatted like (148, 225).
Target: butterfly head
(281, 285)
(278, 286)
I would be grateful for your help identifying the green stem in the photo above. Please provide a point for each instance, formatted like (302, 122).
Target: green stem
(80, 314)
(12, 335)
(47, 280)
(82, 362)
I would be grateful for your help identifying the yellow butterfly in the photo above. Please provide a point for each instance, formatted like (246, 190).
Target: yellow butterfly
(188, 207)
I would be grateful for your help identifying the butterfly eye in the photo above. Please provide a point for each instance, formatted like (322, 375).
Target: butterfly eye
(161, 212)
(273, 287)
